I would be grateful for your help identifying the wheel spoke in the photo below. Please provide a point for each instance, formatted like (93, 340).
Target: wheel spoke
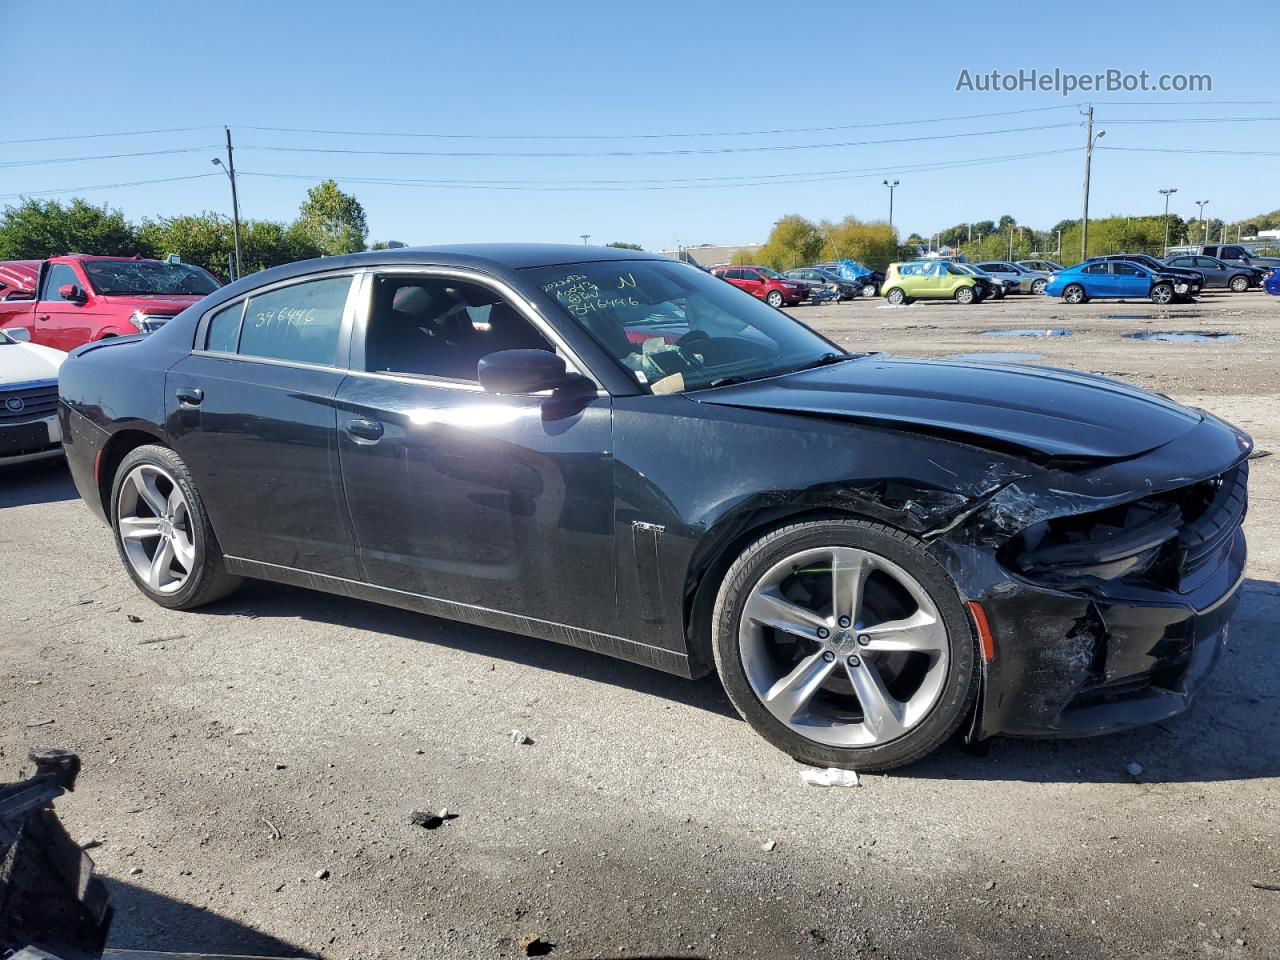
(139, 528)
(159, 573)
(881, 713)
(789, 695)
(175, 504)
(849, 569)
(919, 633)
(771, 610)
(183, 550)
(145, 483)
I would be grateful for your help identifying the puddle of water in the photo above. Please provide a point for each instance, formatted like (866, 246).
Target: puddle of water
(1184, 336)
(997, 357)
(1190, 314)
(1027, 332)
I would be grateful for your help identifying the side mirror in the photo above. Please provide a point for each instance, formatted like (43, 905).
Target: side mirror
(69, 291)
(523, 371)
(20, 295)
(18, 333)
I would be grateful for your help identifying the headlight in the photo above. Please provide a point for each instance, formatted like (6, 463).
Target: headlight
(1110, 544)
(145, 323)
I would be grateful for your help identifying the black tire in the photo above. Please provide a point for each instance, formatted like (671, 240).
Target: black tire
(209, 579)
(1161, 293)
(958, 694)
(774, 299)
(896, 296)
(1038, 285)
(1239, 283)
(870, 290)
(966, 295)
(1074, 293)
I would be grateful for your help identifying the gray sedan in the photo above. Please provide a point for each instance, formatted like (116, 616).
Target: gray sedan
(1219, 273)
(1027, 281)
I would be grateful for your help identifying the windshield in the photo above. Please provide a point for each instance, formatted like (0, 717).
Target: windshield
(148, 277)
(675, 328)
(771, 274)
(5, 339)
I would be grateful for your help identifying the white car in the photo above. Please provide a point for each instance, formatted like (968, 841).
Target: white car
(28, 399)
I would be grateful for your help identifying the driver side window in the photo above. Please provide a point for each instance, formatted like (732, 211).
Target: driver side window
(438, 327)
(59, 275)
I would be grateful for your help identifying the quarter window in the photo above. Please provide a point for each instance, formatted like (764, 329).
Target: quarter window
(298, 322)
(59, 275)
(224, 329)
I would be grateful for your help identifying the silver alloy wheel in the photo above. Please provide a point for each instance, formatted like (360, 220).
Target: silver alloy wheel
(1037, 286)
(869, 290)
(153, 523)
(861, 662)
(1239, 284)
(1073, 294)
(964, 295)
(1161, 293)
(775, 299)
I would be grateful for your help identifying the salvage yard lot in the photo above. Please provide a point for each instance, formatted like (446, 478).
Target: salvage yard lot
(250, 769)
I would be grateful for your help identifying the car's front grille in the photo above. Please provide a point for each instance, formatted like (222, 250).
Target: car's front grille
(28, 401)
(1225, 499)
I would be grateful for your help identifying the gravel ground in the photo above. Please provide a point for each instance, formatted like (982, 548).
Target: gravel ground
(250, 769)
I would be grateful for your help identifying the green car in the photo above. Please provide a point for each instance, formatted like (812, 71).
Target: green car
(933, 280)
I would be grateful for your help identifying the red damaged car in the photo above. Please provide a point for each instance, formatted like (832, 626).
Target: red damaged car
(764, 284)
(67, 301)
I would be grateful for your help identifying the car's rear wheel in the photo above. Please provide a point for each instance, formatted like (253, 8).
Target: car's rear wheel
(1239, 283)
(1037, 286)
(964, 295)
(1161, 293)
(896, 296)
(162, 531)
(1074, 294)
(845, 644)
(774, 299)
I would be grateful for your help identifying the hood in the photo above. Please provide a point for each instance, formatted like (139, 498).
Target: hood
(158, 303)
(1055, 413)
(24, 362)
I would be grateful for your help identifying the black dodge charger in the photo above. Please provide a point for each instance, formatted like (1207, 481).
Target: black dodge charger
(620, 452)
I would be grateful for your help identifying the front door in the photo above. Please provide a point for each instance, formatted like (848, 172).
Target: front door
(498, 503)
(1129, 280)
(252, 412)
(59, 322)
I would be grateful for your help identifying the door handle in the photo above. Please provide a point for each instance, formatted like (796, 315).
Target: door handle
(42, 316)
(364, 429)
(189, 396)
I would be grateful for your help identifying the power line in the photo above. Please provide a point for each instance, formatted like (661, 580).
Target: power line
(102, 186)
(649, 185)
(1111, 120)
(98, 136)
(1233, 153)
(105, 156)
(650, 136)
(651, 153)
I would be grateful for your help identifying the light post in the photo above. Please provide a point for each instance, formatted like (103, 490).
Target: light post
(1090, 139)
(1166, 192)
(891, 184)
(1202, 204)
(229, 168)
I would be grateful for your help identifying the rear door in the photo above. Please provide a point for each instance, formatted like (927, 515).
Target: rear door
(1098, 281)
(252, 412)
(1216, 272)
(485, 502)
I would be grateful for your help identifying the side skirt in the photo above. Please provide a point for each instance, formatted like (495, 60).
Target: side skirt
(657, 658)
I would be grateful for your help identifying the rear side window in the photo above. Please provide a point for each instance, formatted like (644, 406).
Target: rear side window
(1096, 269)
(224, 329)
(298, 322)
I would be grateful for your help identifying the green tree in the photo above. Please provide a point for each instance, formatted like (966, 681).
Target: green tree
(36, 229)
(334, 221)
(872, 243)
(207, 240)
(624, 246)
(793, 242)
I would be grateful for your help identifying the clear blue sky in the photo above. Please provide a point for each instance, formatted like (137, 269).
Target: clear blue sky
(592, 69)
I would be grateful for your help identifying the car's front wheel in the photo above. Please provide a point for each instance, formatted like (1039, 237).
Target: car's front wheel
(1239, 283)
(870, 290)
(1037, 286)
(845, 644)
(1074, 294)
(896, 296)
(162, 531)
(774, 299)
(964, 295)
(1162, 293)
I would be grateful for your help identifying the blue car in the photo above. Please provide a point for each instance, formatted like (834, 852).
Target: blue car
(1272, 283)
(1110, 278)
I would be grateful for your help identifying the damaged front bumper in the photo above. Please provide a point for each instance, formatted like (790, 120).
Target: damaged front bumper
(1086, 655)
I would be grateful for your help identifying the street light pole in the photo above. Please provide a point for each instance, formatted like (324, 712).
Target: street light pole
(891, 184)
(1090, 140)
(1202, 204)
(229, 168)
(1166, 192)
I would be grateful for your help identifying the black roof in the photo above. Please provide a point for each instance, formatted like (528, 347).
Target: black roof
(499, 259)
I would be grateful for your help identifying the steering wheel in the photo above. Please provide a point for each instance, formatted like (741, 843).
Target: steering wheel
(693, 336)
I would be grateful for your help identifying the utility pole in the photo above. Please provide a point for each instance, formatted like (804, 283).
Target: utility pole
(229, 168)
(585, 237)
(891, 184)
(1011, 241)
(1090, 140)
(1166, 192)
(1202, 204)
